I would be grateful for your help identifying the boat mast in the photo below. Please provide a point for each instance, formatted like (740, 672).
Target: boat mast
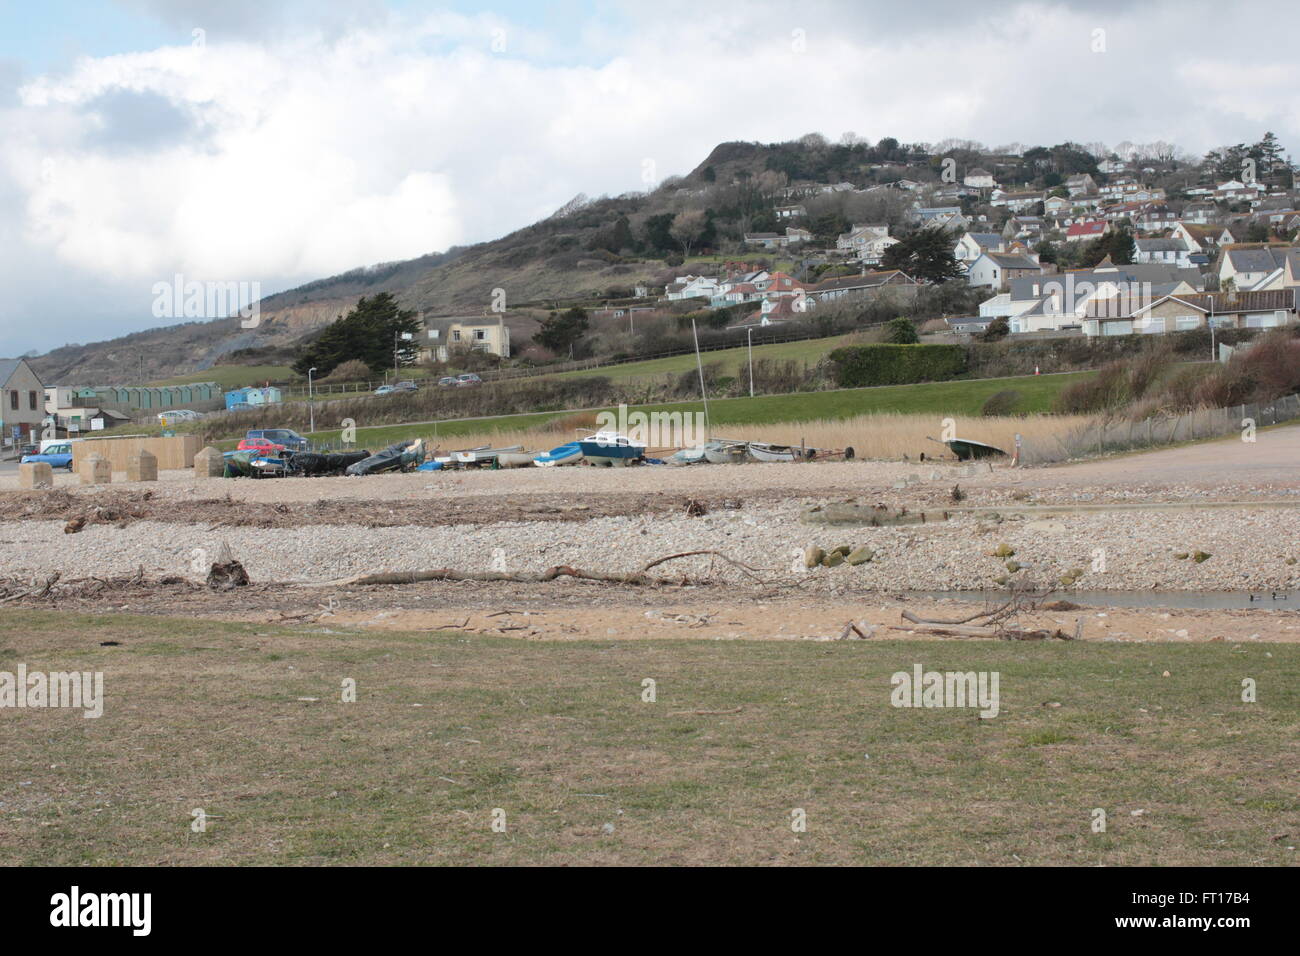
(703, 393)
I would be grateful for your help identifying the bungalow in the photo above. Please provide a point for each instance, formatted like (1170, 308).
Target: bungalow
(1234, 191)
(979, 179)
(1171, 251)
(774, 240)
(1184, 312)
(1016, 202)
(869, 283)
(1082, 231)
(969, 324)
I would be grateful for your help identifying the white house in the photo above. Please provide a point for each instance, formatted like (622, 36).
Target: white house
(974, 244)
(979, 179)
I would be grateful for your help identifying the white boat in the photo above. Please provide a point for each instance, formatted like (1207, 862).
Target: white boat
(484, 454)
(723, 451)
(688, 456)
(515, 459)
(761, 451)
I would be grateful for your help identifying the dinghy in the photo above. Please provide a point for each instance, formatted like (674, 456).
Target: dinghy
(761, 451)
(723, 451)
(688, 456)
(965, 449)
(569, 454)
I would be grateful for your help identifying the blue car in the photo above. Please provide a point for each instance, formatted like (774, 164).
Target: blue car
(56, 456)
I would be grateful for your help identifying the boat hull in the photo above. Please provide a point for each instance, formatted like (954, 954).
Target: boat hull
(724, 454)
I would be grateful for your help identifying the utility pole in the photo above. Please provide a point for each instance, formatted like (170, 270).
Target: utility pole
(311, 405)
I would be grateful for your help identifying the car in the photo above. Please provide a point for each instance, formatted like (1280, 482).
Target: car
(448, 381)
(407, 386)
(29, 449)
(468, 378)
(385, 390)
(176, 415)
(56, 456)
(287, 437)
(263, 445)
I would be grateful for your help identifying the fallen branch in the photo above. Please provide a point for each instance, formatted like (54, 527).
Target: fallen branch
(965, 620)
(532, 577)
(705, 713)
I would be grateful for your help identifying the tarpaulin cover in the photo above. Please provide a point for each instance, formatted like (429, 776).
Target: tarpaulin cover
(390, 459)
(311, 463)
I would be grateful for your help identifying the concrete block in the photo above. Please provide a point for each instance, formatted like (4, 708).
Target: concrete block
(35, 474)
(96, 471)
(142, 466)
(209, 464)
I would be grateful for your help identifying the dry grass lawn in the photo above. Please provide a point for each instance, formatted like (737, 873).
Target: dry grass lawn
(448, 728)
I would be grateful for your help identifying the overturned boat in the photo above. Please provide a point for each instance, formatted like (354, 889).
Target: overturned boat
(965, 449)
(725, 451)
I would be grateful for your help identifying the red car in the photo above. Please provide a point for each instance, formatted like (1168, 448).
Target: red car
(262, 445)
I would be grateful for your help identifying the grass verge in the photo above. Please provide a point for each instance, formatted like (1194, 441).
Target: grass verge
(445, 729)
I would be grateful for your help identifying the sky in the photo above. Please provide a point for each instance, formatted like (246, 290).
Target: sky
(280, 141)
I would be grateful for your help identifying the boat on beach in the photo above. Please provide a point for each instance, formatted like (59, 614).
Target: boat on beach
(724, 451)
(567, 454)
(965, 449)
(762, 451)
(610, 449)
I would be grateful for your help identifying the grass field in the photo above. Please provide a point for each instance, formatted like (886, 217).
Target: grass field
(732, 360)
(960, 398)
(246, 722)
(234, 376)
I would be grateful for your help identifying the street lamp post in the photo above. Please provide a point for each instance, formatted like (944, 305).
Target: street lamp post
(311, 405)
(749, 335)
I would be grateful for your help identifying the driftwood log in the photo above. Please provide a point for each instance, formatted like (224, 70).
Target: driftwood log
(640, 577)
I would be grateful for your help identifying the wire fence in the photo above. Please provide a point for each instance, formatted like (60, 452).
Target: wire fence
(1106, 436)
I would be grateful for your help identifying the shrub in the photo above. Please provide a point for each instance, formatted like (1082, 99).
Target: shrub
(1000, 403)
(353, 370)
(863, 365)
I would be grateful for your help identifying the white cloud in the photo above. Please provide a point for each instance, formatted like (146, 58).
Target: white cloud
(281, 156)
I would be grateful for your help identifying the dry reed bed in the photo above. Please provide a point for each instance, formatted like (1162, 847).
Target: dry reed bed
(883, 436)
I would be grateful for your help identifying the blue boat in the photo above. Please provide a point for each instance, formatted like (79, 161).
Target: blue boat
(569, 454)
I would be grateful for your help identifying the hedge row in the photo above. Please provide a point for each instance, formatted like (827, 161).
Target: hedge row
(858, 366)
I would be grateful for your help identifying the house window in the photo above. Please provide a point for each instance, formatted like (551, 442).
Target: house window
(455, 335)
(31, 400)
(1184, 322)
(13, 401)
(480, 334)
(1154, 325)
(433, 334)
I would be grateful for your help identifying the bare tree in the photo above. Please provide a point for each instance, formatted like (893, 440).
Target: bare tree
(687, 228)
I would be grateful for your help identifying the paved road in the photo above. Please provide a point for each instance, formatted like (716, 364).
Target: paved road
(1273, 456)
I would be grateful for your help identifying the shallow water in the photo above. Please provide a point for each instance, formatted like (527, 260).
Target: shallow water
(1179, 600)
